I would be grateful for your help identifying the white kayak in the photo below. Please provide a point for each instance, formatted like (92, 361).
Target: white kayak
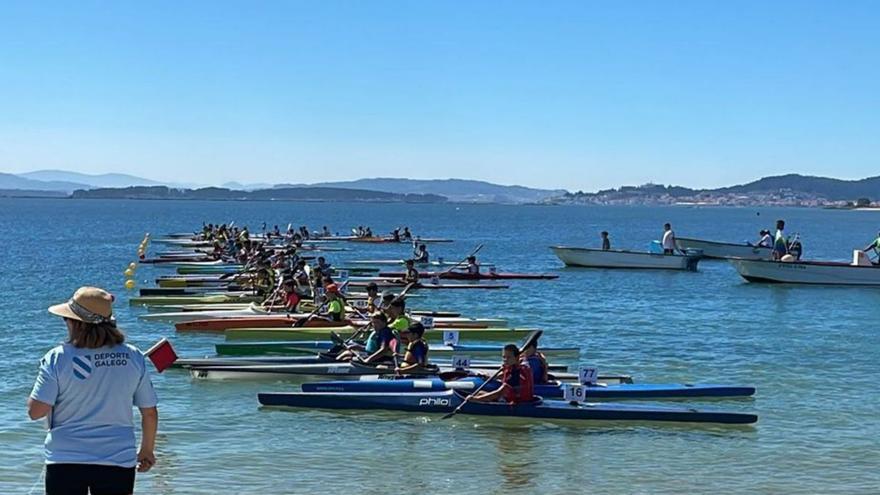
(439, 263)
(808, 272)
(724, 250)
(615, 258)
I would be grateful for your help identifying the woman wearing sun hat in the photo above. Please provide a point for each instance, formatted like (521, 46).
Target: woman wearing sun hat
(87, 387)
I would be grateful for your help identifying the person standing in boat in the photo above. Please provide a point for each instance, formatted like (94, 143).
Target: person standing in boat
(87, 388)
(875, 247)
(668, 241)
(421, 255)
(516, 380)
(606, 242)
(780, 244)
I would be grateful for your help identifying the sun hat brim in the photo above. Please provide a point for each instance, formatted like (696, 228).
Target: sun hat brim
(63, 310)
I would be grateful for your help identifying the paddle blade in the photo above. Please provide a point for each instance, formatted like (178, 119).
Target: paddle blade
(162, 355)
(531, 339)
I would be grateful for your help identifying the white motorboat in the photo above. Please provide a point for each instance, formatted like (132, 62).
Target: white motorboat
(859, 273)
(724, 250)
(615, 258)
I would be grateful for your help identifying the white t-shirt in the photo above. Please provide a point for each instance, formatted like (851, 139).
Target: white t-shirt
(669, 240)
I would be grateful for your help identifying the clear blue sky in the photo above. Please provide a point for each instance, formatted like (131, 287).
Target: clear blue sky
(581, 95)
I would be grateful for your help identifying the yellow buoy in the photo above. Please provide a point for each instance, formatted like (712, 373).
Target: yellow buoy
(129, 284)
(132, 266)
(129, 272)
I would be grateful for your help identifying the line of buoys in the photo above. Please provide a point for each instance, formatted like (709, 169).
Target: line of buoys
(132, 267)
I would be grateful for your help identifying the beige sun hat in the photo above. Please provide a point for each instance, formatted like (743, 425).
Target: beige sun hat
(88, 304)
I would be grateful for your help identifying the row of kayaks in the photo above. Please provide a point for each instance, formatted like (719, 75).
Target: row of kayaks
(261, 344)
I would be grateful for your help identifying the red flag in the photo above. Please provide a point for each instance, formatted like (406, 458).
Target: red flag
(162, 354)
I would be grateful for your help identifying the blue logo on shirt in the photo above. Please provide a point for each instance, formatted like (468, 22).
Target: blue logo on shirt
(82, 367)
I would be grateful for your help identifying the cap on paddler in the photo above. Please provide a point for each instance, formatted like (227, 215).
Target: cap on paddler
(372, 286)
(332, 288)
(88, 304)
(387, 295)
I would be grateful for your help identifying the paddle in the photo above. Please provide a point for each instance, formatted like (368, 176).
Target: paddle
(529, 341)
(453, 267)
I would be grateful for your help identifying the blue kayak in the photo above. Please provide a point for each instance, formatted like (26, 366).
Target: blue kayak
(446, 401)
(550, 390)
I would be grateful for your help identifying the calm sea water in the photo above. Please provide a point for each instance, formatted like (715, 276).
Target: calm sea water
(811, 351)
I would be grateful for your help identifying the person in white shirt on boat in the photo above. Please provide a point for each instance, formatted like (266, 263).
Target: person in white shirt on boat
(766, 239)
(668, 241)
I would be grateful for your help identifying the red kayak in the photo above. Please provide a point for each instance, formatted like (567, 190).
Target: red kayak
(282, 321)
(478, 276)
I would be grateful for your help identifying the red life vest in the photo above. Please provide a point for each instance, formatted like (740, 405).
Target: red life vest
(520, 386)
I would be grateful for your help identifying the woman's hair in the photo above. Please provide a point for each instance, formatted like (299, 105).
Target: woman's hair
(94, 335)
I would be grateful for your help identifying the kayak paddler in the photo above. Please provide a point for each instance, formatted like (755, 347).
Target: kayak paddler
(536, 361)
(291, 296)
(516, 380)
(421, 255)
(335, 304)
(374, 300)
(378, 346)
(415, 355)
(473, 268)
(412, 275)
(407, 235)
(395, 235)
(397, 315)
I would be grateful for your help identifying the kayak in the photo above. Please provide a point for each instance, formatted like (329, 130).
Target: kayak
(423, 285)
(436, 336)
(440, 263)
(383, 240)
(448, 400)
(551, 390)
(283, 320)
(313, 347)
(475, 276)
(190, 299)
(276, 360)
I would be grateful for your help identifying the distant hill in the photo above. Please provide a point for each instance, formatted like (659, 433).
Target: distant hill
(10, 181)
(280, 194)
(832, 189)
(97, 180)
(458, 190)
